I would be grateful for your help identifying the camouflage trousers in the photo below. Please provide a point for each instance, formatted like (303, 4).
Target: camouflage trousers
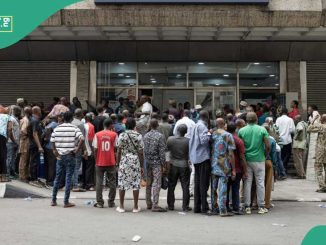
(154, 182)
(320, 170)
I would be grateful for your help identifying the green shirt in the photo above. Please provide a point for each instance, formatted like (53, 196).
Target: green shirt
(253, 138)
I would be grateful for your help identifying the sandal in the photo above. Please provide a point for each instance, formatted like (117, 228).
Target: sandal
(98, 205)
(159, 210)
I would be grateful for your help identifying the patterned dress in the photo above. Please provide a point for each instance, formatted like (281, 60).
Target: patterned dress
(129, 173)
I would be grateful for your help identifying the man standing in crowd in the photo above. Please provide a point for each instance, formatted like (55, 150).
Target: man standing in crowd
(99, 119)
(320, 164)
(79, 155)
(270, 161)
(240, 169)
(295, 111)
(187, 121)
(223, 167)
(199, 154)
(12, 146)
(89, 164)
(67, 141)
(299, 145)
(62, 107)
(164, 127)
(257, 146)
(49, 157)
(104, 144)
(286, 128)
(5, 133)
(190, 125)
(24, 145)
(178, 147)
(154, 149)
(35, 147)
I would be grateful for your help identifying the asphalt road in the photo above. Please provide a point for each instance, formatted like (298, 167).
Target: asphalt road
(35, 222)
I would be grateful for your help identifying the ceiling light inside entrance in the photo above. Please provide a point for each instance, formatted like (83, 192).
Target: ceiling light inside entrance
(201, 63)
(256, 63)
(272, 75)
(121, 75)
(254, 84)
(121, 63)
(217, 84)
(226, 75)
(153, 81)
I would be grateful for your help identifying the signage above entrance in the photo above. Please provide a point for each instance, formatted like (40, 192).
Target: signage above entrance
(183, 1)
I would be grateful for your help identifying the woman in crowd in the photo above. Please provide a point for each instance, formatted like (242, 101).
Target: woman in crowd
(130, 158)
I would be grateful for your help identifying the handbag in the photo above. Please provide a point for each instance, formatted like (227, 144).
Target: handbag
(143, 182)
(165, 182)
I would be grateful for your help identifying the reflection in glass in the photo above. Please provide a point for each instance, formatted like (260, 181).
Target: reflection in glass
(116, 74)
(259, 74)
(160, 74)
(212, 74)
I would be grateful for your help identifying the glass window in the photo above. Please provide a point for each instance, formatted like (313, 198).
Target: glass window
(216, 74)
(159, 74)
(112, 95)
(259, 74)
(116, 74)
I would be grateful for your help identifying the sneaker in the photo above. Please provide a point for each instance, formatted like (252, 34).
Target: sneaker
(136, 210)
(120, 210)
(69, 205)
(111, 204)
(248, 210)
(262, 210)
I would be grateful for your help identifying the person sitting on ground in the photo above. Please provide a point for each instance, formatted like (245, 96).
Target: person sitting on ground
(178, 148)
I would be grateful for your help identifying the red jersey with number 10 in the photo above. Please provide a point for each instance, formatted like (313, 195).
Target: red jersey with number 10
(105, 141)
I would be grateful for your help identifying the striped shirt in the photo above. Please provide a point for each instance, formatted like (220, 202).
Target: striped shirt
(66, 137)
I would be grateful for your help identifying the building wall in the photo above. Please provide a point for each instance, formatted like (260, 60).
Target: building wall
(83, 77)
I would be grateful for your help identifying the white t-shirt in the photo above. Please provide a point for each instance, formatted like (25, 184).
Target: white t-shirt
(146, 108)
(188, 122)
(286, 127)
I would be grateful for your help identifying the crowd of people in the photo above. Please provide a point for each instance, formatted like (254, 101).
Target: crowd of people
(237, 154)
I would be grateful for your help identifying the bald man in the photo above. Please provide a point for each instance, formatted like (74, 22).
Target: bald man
(299, 145)
(223, 167)
(35, 148)
(320, 164)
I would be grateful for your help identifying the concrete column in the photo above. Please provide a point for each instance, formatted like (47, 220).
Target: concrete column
(83, 75)
(303, 84)
(73, 79)
(92, 84)
(283, 78)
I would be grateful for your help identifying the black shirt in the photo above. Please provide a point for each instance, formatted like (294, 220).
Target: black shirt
(98, 123)
(34, 126)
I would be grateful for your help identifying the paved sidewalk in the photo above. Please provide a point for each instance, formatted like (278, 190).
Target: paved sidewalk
(288, 190)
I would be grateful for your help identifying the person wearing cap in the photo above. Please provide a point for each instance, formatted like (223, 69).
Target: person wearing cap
(243, 105)
(195, 113)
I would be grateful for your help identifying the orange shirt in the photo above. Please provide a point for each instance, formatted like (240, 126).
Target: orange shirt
(105, 141)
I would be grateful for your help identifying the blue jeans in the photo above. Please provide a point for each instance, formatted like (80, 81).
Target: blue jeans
(280, 167)
(78, 160)
(234, 185)
(66, 163)
(12, 149)
(219, 183)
